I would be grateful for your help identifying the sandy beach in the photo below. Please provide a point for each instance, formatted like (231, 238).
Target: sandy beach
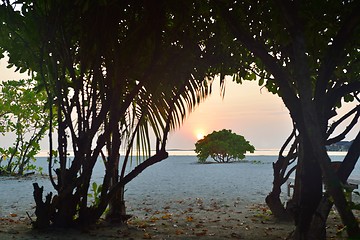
(176, 199)
(183, 219)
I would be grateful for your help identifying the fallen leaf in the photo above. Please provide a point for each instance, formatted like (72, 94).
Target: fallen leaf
(179, 232)
(166, 216)
(147, 236)
(202, 233)
(154, 219)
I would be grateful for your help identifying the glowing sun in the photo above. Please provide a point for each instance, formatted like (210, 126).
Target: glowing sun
(199, 135)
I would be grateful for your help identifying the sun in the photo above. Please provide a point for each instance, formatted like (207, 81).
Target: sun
(199, 135)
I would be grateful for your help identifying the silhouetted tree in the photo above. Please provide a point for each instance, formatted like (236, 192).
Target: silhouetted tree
(117, 72)
(306, 53)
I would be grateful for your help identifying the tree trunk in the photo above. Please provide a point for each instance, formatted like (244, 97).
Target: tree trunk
(104, 201)
(277, 208)
(318, 225)
(281, 176)
(43, 210)
(66, 207)
(273, 199)
(117, 208)
(309, 189)
(21, 169)
(332, 182)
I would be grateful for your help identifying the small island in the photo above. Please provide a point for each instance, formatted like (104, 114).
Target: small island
(342, 146)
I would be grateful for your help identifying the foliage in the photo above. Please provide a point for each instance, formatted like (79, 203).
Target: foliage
(101, 78)
(137, 71)
(312, 64)
(95, 194)
(223, 146)
(24, 117)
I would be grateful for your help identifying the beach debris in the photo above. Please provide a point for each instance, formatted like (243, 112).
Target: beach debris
(147, 236)
(179, 232)
(154, 219)
(166, 216)
(202, 233)
(236, 235)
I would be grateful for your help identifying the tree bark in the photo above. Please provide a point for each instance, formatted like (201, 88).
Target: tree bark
(280, 177)
(277, 208)
(332, 182)
(273, 199)
(158, 157)
(309, 189)
(117, 207)
(43, 210)
(318, 226)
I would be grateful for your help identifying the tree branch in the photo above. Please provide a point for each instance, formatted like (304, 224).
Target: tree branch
(347, 129)
(259, 50)
(335, 95)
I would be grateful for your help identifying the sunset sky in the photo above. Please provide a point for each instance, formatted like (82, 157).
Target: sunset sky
(246, 109)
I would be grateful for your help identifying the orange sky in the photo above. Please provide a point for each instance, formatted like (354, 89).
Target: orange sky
(258, 115)
(261, 117)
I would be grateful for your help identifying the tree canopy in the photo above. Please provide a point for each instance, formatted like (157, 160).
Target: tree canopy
(307, 53)
(116, 73)
(99, 63)
(223, 146)
(23, 115)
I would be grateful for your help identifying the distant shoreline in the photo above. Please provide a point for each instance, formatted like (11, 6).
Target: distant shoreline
(191, 152)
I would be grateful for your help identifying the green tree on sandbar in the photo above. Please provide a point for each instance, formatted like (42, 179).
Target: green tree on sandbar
(223, 146)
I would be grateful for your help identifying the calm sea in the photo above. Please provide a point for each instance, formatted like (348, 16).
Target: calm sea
(177, 177)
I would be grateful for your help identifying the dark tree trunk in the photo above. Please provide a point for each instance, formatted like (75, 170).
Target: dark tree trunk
(117, 208)
(104, 201)
(67, 200)
(331, 180)
(280, 177)
(318, 226)
(43, 210)
(273, 199)
(66, 210)
(276, 206)
(309, 189)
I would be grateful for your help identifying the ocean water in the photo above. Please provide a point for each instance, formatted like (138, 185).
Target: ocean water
(175, 178)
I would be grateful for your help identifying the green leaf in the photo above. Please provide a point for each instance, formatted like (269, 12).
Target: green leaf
(261, 81)
(348, 98)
